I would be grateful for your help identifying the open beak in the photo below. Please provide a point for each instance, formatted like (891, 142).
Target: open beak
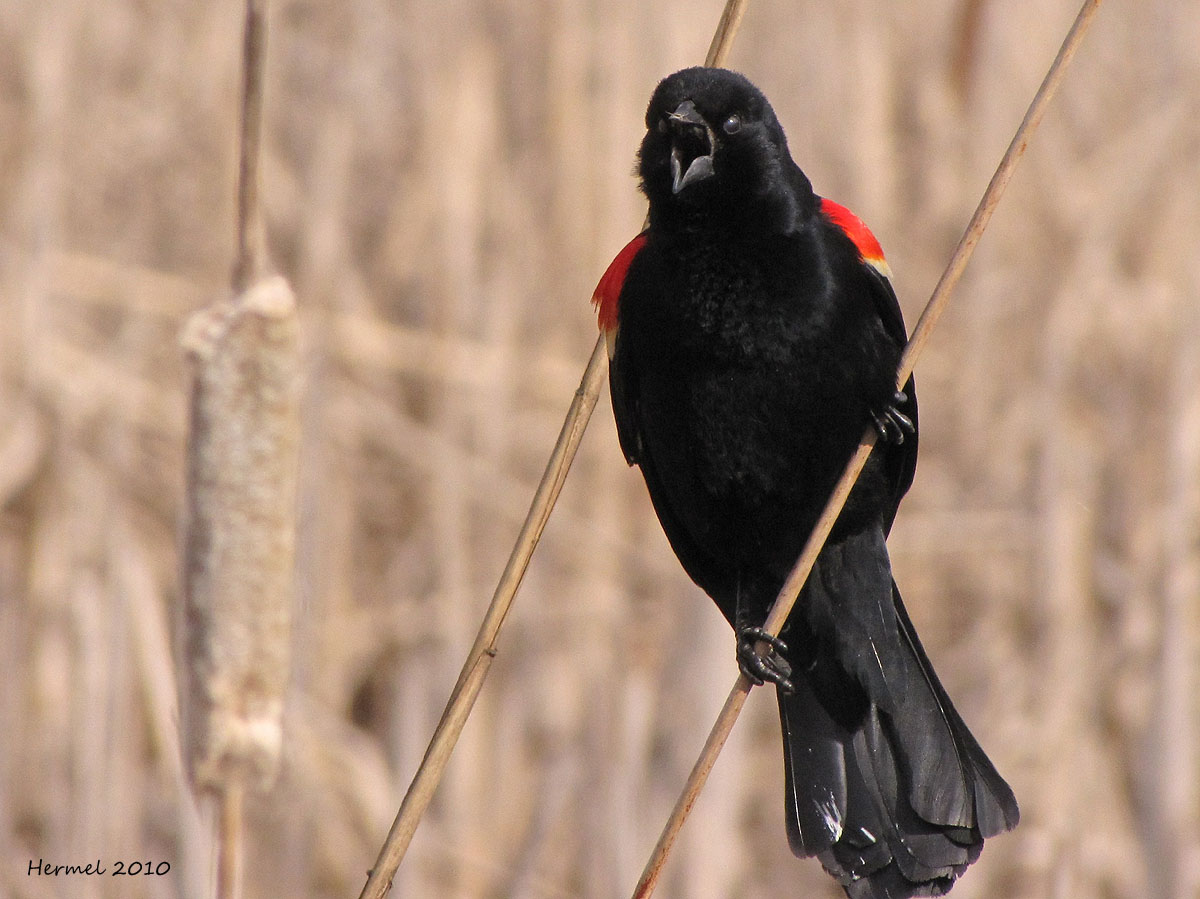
(692, 146)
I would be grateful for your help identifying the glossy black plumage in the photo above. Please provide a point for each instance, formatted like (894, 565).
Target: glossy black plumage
(751, 345)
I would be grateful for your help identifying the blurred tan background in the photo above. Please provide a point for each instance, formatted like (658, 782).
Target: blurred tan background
(445, 181)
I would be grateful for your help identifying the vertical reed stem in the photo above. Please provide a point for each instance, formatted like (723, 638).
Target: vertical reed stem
(239, 531)
(248, 263)
(230, 842)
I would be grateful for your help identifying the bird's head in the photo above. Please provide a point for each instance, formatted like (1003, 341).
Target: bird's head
(714, 145)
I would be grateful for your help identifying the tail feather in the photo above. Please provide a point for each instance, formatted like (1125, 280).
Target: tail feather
(813, 747)
(891, 792)
(995, 807)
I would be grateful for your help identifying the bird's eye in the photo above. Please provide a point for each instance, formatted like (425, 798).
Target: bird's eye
(732, 125)
(663, 127)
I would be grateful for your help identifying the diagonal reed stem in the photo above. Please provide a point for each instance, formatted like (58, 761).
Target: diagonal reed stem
(722, 42)
(479, 659)
(800, 571)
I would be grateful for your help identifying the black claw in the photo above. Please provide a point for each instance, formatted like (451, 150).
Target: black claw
(769, 667)
(891, 424)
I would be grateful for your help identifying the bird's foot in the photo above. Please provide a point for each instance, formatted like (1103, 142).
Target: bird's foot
(770, 666)
(891, 424)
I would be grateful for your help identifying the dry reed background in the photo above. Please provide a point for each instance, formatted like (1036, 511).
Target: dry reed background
(445, 180)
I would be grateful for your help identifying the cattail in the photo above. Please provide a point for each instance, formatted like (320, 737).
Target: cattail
(239, 535)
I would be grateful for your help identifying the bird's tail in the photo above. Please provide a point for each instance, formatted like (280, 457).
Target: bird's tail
(885, 783)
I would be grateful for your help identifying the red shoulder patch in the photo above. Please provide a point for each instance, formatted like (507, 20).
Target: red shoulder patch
(852, 225)
(608, 292)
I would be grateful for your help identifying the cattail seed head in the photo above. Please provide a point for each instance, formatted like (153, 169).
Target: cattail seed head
(239, 534)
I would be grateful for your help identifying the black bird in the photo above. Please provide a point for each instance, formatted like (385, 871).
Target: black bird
(753, 335)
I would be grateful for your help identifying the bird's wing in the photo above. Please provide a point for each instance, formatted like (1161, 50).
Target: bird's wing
(607, 300)
(902, 459)
(871, 254)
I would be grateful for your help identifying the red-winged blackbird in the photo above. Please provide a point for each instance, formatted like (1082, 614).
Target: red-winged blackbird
(753, 335)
